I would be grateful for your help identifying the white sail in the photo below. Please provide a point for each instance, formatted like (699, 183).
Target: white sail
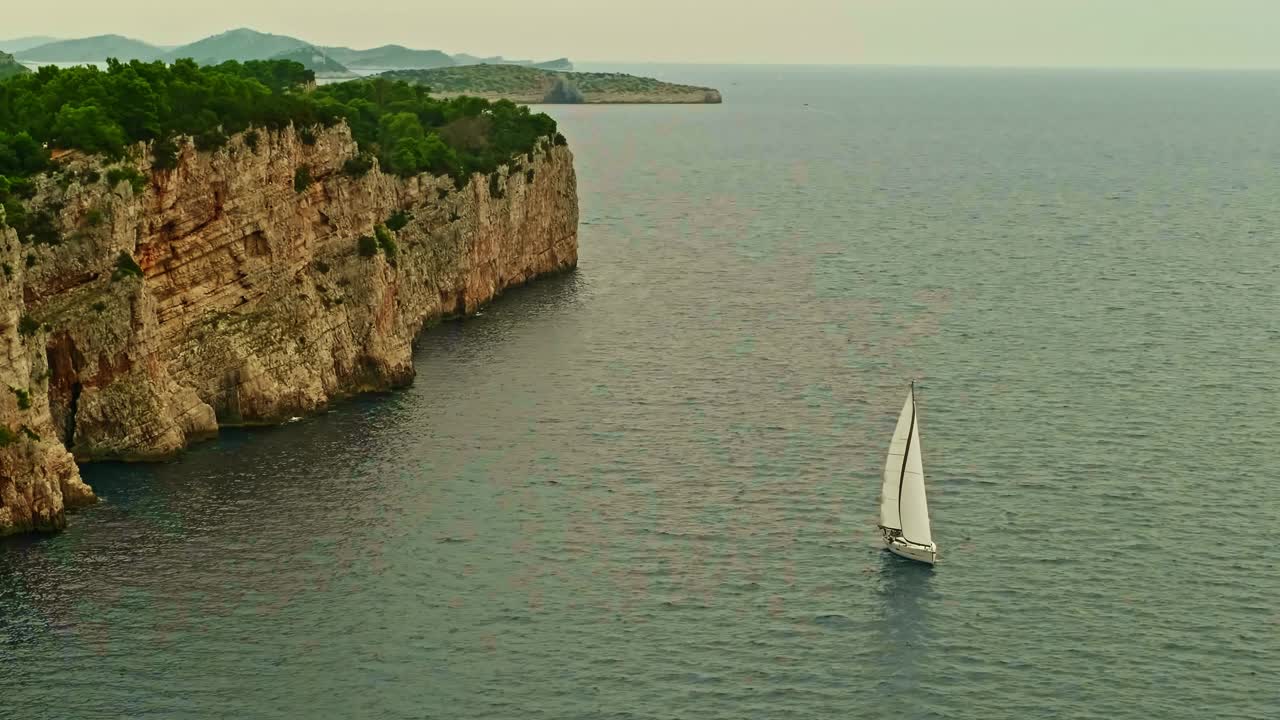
(902, 499)
(893, 467)
(913, 510)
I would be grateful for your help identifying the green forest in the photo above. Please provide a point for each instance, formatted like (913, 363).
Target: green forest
(104, 112)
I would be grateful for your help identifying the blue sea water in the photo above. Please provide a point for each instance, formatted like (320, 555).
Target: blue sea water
(648, 489)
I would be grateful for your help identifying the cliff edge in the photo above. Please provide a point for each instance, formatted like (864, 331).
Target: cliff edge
(244, 286)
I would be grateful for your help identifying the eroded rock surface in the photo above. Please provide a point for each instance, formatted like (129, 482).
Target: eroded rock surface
(219, 294)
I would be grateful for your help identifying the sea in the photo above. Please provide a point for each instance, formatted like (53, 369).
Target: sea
(648, 488)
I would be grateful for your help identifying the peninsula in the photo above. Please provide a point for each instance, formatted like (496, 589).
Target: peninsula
(533, 85)
(184, 248)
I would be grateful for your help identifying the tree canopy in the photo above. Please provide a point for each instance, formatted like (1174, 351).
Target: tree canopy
(105, 111)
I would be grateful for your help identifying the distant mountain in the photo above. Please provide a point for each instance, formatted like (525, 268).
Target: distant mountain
(241, 44)
(561, 64)
(25, 43)
(465, 59)
(313, 59)
(390, 56)
(91, 49)
(10, 67)
(245, 44)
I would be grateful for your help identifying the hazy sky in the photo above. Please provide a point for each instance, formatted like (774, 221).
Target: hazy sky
(1185, 33)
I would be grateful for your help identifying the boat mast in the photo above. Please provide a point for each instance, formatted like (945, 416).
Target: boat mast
(906, 451)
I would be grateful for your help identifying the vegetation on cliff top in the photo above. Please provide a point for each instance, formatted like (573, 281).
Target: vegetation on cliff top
(106, 111)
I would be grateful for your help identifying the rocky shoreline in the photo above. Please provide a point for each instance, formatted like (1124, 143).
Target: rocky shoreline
(695, 96)
(243, 287)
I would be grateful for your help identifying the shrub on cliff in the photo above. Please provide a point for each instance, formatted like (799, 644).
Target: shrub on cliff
(24, 398)
(211, 139)
(386, 242)
(136, 180)
(27, 326)
(302, 178)
(164, 154)
(9, 437)
(397, 221)
(39, 227)
(367, 246)
(358, 166)
(125, 267)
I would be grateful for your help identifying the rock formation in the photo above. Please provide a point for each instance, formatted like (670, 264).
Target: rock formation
(244, 286)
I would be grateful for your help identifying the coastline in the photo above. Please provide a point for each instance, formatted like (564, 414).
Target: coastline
(252, 302)
(691, 98)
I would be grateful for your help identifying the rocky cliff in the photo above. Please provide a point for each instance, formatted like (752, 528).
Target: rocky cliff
(10, 67)
(242, 287)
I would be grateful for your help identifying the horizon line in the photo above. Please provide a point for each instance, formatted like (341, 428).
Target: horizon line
(934, 66)
(731, 63)
(831, 65)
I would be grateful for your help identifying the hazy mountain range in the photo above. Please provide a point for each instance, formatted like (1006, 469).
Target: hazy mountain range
(25, 43)
(245, 44)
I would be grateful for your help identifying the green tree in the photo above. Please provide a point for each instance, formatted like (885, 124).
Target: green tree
(400, 124)
(137, 106)
(88, 128)
(21, 154)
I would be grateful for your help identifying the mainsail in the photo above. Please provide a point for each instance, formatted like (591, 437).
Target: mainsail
(902, 500)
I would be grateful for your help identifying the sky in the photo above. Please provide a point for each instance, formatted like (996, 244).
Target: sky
(1025, 33)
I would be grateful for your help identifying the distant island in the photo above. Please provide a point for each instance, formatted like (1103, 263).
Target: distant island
(91, 49)
(315, 60)
(15, 45)
(10, 67)
(390, 56)
(244, 44)
(533, 85)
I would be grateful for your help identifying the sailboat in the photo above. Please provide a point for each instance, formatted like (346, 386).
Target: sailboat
(904, 511)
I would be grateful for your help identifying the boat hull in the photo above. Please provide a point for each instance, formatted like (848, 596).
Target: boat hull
(920, 553)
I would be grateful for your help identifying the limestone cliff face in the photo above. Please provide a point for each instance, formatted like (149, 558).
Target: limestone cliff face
(38, 477)
(251, 300)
